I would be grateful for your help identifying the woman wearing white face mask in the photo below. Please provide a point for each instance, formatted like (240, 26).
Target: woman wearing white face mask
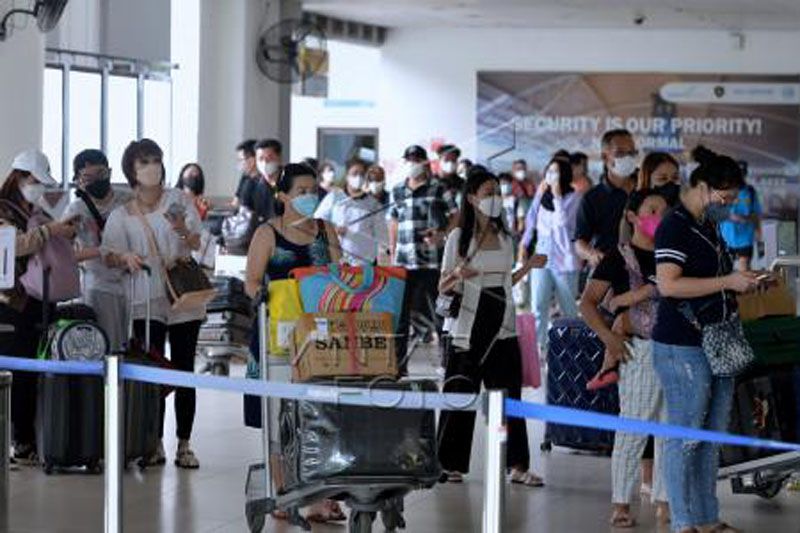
(478, 264)
(376, 184)
(359, 219)
(552, 215)
(19, 198)
(156, 228)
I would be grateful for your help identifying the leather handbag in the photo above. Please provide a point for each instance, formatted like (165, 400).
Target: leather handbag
(187, 285)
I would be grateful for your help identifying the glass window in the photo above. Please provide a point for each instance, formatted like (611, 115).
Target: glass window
(52, 119)
(84, 113)
(121, 121)
(158, 116)
(339, 145)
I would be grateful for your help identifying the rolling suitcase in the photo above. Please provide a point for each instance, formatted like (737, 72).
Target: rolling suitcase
(142, 400)
(228, 319)
(574, 356)
(229, 296)
(69, 409)
(224, 335)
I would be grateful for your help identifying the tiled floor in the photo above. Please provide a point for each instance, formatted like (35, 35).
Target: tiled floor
(212, 498)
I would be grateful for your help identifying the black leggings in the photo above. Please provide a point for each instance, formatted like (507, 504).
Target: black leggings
(183, 345)
(22, 342)
(497, 364)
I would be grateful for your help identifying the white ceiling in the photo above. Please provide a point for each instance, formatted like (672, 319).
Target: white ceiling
(665, 14)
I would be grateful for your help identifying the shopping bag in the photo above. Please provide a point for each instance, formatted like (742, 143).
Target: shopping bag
(367, 288)
(285, 310)
(529, 350)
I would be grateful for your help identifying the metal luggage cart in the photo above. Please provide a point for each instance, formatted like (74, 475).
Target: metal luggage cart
(365, 496)
(766, 476)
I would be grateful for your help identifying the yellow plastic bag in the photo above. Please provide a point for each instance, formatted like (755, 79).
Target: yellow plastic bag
(285, 310)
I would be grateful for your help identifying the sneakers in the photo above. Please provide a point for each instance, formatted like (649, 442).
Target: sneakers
(25, 454)
(157, 458)
(184, 457)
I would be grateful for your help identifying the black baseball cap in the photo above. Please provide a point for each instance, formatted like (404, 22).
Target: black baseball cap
(415, 151)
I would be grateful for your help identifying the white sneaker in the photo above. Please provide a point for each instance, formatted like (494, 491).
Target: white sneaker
(157, 458)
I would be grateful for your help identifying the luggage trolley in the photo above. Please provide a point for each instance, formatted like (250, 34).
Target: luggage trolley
(762, 472)
(365, 495)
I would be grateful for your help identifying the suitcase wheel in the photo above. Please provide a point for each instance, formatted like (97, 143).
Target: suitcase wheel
(360, 522)
(546, 446)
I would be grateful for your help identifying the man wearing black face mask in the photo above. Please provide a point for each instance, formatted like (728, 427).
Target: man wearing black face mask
(102, 287)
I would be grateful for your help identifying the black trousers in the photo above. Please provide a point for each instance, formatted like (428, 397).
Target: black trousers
(495, 363)
(183, 345)
(419, 311)
(22, 342)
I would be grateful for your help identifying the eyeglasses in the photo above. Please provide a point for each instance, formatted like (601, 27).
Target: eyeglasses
(100, 175)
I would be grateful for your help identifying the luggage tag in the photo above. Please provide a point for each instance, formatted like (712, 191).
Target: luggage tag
(322, 329)
(285, 332)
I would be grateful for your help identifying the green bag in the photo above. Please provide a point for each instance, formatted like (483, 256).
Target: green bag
(775, 341)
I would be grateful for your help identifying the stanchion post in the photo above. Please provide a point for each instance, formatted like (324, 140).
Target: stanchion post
(263, 340)
(5, 446)
(494, 476)
(113, 446)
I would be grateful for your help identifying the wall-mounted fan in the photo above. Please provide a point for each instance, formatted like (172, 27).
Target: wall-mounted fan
(46, 12)
(291, 51)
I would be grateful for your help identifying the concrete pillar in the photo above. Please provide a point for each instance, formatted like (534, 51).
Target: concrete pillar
(22, 75)
(236, 100)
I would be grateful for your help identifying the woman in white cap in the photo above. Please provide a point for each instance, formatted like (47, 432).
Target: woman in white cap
(19, 199)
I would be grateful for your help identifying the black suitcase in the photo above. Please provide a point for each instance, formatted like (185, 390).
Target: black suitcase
(229, 296)
(574, 356)
(228, 319)
(142, 420)
(766, 405)
(224, 335)
(320, 441)
(69, 422)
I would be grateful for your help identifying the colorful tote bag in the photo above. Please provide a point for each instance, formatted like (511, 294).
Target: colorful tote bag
(284, 311)
(335, 289)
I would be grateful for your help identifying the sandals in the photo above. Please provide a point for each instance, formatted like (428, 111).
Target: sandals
(604, 378)
(622, 519)
(451, 476)
(330, 511)
(529, 479)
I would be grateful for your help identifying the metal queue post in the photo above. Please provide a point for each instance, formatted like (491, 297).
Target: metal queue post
(494, 469)
(113, 441)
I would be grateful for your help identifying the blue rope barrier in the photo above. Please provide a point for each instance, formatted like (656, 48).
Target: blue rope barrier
(392, 399)
(589, 419)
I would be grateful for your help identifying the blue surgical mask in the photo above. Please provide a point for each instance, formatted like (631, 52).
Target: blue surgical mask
(305, 204)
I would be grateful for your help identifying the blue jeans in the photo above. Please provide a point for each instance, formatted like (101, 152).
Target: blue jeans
(545, 284)
(697, 399)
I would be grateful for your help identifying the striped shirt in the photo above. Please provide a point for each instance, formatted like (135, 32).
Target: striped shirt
(416, 211)
(700, 253)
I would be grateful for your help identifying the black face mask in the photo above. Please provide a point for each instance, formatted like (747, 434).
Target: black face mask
(670, 191)
(99, 189)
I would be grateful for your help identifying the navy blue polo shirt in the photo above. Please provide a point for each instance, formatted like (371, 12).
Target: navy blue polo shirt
(599, 215)
(700, 252)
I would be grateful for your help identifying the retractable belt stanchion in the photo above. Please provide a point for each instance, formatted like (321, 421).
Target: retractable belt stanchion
(113, 447)
(494, 475)
(5, 445)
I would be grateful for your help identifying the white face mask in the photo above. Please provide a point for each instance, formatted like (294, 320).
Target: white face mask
(520, 175)
(355, 181)
(149, 175)
(551, 177)
(32, 192)
(267, 168)
(448, 167)
(414, 170)
(327, 176)
(491, 206)
(376, 187)
(624, 166)
(506, 189)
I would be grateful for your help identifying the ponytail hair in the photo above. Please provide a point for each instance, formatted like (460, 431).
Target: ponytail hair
(717, 171)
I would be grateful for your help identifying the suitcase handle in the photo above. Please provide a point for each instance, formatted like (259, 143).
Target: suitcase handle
(146, 269)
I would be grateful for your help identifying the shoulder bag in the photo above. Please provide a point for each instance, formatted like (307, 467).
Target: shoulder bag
(186, 284)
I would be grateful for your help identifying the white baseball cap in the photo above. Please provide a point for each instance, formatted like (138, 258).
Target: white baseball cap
(36, 163)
